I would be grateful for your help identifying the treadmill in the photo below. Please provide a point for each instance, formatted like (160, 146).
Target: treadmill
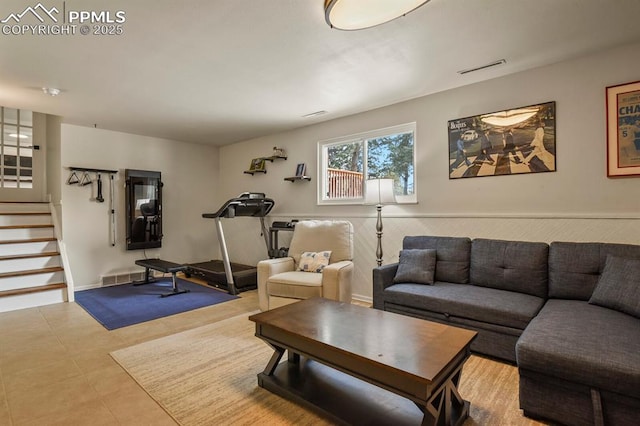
(234, 277)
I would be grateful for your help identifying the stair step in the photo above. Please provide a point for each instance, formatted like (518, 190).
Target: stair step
(7, 206)
(11, 300)
(30, 290)
(29, 256)
(25, 213)
(31, 240)
(27, 247)
(18, 279)
(25, 218)
(26, 226)
(26, 232)
(31, 272)
(18, 262)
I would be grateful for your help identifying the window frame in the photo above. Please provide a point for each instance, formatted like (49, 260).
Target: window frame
(23, 177)
(363, 137)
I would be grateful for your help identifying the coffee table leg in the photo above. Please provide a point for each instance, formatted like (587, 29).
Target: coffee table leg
(446, 406)
(293, 357)
(459, 408)
(275, 359)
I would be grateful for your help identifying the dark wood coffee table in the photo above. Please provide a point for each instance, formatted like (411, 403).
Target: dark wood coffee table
(401, 362)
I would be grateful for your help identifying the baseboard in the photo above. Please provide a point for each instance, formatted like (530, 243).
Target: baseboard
(118, 279)
(362, 299)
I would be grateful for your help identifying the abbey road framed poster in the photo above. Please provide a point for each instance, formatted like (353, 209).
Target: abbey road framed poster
(514, 141)
(623, 130)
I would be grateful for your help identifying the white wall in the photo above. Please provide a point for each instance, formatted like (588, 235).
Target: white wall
(53, 157)
(190, 177)
(54, 175)
(575, 203)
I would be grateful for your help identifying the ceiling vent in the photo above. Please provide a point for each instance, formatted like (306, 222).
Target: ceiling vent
(314, 114)
(482, 67)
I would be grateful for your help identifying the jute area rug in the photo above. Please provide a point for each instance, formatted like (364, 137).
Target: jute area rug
(207, 376)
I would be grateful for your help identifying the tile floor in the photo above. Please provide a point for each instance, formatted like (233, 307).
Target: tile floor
(55, 367)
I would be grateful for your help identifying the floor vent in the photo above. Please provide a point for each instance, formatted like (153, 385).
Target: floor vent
(108, 280)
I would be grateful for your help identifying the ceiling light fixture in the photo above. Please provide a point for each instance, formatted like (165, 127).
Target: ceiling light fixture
(358, 14)
(482, 67)
(51, 91)
(19, 136)
(511, 117)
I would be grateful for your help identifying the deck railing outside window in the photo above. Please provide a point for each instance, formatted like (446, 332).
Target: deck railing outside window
(344, 184)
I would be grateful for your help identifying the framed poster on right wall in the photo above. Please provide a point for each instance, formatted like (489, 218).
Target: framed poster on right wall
(623, 130)
(509, 142)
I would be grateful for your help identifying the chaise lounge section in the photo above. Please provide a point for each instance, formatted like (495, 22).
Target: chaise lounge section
(567, 313)
(579, 361)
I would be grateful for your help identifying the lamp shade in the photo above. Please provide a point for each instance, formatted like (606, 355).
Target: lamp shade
(359, 14)
(379, 191)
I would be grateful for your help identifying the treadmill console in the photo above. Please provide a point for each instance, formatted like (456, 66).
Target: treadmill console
(252, 195)
(284, 225)
(246, 204)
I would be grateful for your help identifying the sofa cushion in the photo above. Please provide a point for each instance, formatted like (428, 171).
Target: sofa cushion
(416, 266)
(574, 268)
(295, 284)
(510, 265)
(483, 304)
(619, 286)
(583, 343)
(452, 256)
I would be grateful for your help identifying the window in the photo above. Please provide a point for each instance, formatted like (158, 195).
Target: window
(346, 163)
(16, 148)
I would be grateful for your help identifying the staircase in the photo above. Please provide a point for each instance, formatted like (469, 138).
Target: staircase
(31, 272)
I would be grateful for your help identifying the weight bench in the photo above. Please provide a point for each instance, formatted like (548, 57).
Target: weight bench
(162, 266)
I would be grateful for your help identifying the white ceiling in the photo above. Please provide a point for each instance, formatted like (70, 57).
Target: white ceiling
(222, 71)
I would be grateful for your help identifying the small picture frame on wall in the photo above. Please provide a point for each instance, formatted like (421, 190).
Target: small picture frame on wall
(279, 152)
(623, 130)
(257, 165)
(301, 169)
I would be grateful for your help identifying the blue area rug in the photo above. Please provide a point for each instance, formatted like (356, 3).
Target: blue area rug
(126, 304)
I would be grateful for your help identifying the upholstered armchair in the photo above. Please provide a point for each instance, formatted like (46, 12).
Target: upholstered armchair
(282, 281)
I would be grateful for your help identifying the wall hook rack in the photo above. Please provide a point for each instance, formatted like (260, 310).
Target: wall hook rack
(86, 180)
(89, 169)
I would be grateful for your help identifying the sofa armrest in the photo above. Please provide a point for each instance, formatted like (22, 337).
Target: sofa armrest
(336, 281)
(267, 268)
(382, 278)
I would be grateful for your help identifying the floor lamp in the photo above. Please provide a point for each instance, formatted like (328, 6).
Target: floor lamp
(379, 192)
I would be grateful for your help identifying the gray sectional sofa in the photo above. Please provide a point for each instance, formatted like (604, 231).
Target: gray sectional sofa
(567, 313)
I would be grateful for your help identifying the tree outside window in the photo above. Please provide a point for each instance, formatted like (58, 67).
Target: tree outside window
(389, 153)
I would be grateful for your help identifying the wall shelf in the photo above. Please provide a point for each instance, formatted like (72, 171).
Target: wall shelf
(275, 157)
(297, 178)
(258, 164)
